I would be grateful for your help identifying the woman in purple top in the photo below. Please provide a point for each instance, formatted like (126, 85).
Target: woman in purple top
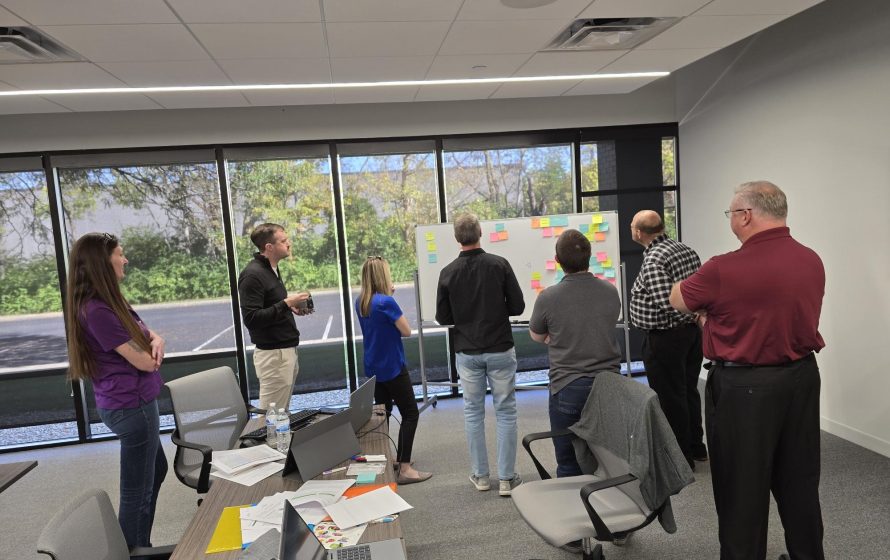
(110, 345)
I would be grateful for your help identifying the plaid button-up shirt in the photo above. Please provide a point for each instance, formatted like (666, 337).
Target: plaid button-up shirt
(665, 262)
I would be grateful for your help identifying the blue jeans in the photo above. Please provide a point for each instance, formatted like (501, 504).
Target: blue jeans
(499, 370)
(143, 468)
(565, 410)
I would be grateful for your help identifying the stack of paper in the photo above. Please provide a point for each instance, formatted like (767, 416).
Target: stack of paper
(246, 466)
(367, 507)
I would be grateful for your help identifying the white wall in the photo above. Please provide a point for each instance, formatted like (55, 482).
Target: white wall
(805, 105)
(653, 103)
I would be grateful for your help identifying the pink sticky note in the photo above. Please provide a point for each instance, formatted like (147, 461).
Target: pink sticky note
(601, 256)
(548, 232)
(493, 237)
(536, 284)
(503, 235)
(551, 265)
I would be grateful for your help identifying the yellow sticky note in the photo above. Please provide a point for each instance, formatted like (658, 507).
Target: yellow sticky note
(431, 247)
(597, 219)
(430, 236)
(545, 222)
(607, 263)
(536, 275)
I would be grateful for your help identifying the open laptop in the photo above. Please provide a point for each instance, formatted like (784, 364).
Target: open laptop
(298, 542)
(321, 445)
(361, 404)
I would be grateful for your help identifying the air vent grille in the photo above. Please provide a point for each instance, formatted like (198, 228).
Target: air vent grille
(27, 45)
(604, 34)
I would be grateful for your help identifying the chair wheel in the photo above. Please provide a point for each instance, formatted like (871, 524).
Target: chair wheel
(595, 554)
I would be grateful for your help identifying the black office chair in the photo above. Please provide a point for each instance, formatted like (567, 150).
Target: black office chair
(210, 416)
(86, 528)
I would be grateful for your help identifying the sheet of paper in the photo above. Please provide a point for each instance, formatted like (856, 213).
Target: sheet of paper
(252, 530)
(367, 507)
(356, 468)
(332, 536)
(251, 475)
(322, 491)
(375, 458)
(235, 460)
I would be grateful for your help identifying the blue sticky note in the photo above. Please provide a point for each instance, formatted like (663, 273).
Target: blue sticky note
(610, 273)
(559, 221)
(559, 275)
(597, 268)
(433, 258)
(585, 228)
(604, 226)
(365, 478)
(499, 227)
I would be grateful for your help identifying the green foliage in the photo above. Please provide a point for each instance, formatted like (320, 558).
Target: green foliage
(30, 286)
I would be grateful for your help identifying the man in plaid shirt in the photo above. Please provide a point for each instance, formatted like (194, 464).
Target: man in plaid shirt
(672, 349)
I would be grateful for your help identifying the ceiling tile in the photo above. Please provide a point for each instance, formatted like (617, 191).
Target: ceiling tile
(534, 89)
(105, 102)
(77, 12)
(200, 100)
(239, 11)
(495, 10)
(278, 71)
(60, 75)
(756, 7)
(287, 98)
(642, 8)
(174, 73)
(569, 63)
(709, 32)
(656, 61)
(129, 43)
(390, 10)
(385, 38)
(500, 37)
(382, 69)
(29, 104)
(455, 92)
(6, 18)
(375, 94)
(488, 66)
(262, 40)
(609, 86)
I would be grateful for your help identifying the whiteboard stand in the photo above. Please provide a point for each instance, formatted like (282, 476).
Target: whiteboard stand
(427, 399)
(625, 315)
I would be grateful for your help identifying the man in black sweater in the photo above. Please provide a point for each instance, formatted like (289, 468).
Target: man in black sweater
(268, 313)
(478, 293)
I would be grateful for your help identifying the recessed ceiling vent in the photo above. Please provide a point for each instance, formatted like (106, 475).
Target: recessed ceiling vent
(25, 44)
(607, 34)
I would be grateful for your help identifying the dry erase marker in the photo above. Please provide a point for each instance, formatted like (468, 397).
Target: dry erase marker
(332, 471)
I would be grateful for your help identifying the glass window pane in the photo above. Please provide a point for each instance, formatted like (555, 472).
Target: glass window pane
(599, 203)
(385, 197)
(670, 214)
(668, 159)
(598, 166)
(510, 183)
(297, 193)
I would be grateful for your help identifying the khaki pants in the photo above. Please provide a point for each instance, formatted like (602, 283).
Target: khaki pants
(276, 371)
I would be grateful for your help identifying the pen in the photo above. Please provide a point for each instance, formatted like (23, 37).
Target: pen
(332, 471)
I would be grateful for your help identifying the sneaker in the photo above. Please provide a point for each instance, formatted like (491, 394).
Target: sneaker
(506, 486)
(480, 482)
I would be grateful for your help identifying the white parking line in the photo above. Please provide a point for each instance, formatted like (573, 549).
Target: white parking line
(214, 338)
(327, 328)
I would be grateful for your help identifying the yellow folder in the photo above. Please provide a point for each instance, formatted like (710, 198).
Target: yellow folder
(227, 535)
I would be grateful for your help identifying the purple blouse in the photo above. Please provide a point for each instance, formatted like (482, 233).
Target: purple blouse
(117, 383)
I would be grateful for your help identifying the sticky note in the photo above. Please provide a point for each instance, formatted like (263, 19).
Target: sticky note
(596, 219)
(547, 231)
(433, 258)
(536, 223)
(599, 236)
(551, 265)
(431, 247)
(610, 273)
(536, 275)
(589, 236)
(503, 235)
(607, 263)
(545, 222)
(536, 283)
(595, 227)
(612, 280)
(539, 290)
(559, 275)
(600, 276)
(558, 266)
(597, 269)
(562, 221)
(499, 227)
(429, 236)
(365, 478)
(604, 226)
(601, 256)
(557, 231)
(584, 228)
(493, 237)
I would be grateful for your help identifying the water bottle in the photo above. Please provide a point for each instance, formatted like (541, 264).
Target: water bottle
(282, 428)
(271, 436)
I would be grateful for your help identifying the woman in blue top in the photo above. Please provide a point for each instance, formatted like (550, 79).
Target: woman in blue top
(383, 326)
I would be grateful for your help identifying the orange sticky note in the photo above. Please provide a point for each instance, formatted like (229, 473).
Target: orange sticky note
(536, 223)
(503, 235)
(557, 231)
(599, 236)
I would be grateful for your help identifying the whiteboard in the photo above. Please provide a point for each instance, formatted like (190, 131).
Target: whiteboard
(529, 244)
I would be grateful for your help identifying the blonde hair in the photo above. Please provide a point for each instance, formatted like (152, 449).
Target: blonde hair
(376, 279)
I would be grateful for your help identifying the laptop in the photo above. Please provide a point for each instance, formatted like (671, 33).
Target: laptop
(361, 404)
(320, 446)
(298, 542)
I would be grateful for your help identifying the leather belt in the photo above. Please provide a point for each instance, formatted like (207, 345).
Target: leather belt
(729, 364)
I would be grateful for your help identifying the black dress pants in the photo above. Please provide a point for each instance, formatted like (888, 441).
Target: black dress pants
(400, 391)
(673, 360)
(763, 435)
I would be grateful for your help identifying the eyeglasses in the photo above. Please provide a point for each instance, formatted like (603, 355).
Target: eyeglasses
(729, 213)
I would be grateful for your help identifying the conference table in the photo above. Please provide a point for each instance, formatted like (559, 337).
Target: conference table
(374, 440)
(10, 472)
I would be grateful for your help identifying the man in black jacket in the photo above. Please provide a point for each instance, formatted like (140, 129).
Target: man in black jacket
(268, 313)
(478, 293)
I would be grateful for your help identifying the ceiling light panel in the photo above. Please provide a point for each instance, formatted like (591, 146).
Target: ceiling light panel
(385, 38)
(129, 43)
(709, 32)
(84, 12)
(500, 37)
(239, 11)
(262, 40)
(497, 10)
(390, 10)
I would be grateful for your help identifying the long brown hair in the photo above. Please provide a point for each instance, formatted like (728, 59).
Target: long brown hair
(90, 275)
(376, 279)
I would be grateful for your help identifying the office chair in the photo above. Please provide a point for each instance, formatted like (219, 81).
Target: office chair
(87, 529)
(210, 415)
(633, 464)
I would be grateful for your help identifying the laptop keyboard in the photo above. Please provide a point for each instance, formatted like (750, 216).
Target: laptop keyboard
(360, 552)
(298, 419)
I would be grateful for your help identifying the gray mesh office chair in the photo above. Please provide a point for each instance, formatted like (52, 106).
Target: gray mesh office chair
(87, 529)
(210, 415)
(622, 441)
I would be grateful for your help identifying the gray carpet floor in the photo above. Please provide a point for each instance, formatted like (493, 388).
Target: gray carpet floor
(452, 520)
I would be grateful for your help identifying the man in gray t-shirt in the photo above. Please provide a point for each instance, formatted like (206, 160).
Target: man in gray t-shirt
(576, 319)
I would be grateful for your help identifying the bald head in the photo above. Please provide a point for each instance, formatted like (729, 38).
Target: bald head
(646, 226)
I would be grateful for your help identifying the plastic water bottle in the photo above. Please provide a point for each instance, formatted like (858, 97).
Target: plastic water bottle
(271, 436)
(282, 428)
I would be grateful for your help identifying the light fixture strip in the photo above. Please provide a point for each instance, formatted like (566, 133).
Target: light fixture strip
(277, 87)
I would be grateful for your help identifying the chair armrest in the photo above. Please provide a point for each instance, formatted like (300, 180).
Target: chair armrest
(152, 552)
(602, 532)
(206, 451)
(526, 443)
(254, 410)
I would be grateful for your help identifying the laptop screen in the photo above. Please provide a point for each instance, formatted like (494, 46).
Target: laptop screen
(298, 542)
(361, 404)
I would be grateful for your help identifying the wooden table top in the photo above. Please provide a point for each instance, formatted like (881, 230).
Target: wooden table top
(223, 493)
(10, 472)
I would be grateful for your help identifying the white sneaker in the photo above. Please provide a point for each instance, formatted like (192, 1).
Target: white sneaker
(506, 486)
(481, 484)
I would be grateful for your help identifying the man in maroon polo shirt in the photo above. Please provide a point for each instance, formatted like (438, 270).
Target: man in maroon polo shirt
(759, 310)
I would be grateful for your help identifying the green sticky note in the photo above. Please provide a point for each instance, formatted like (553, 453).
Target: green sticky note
(499, 227)
(433, 258)
(365, 478)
